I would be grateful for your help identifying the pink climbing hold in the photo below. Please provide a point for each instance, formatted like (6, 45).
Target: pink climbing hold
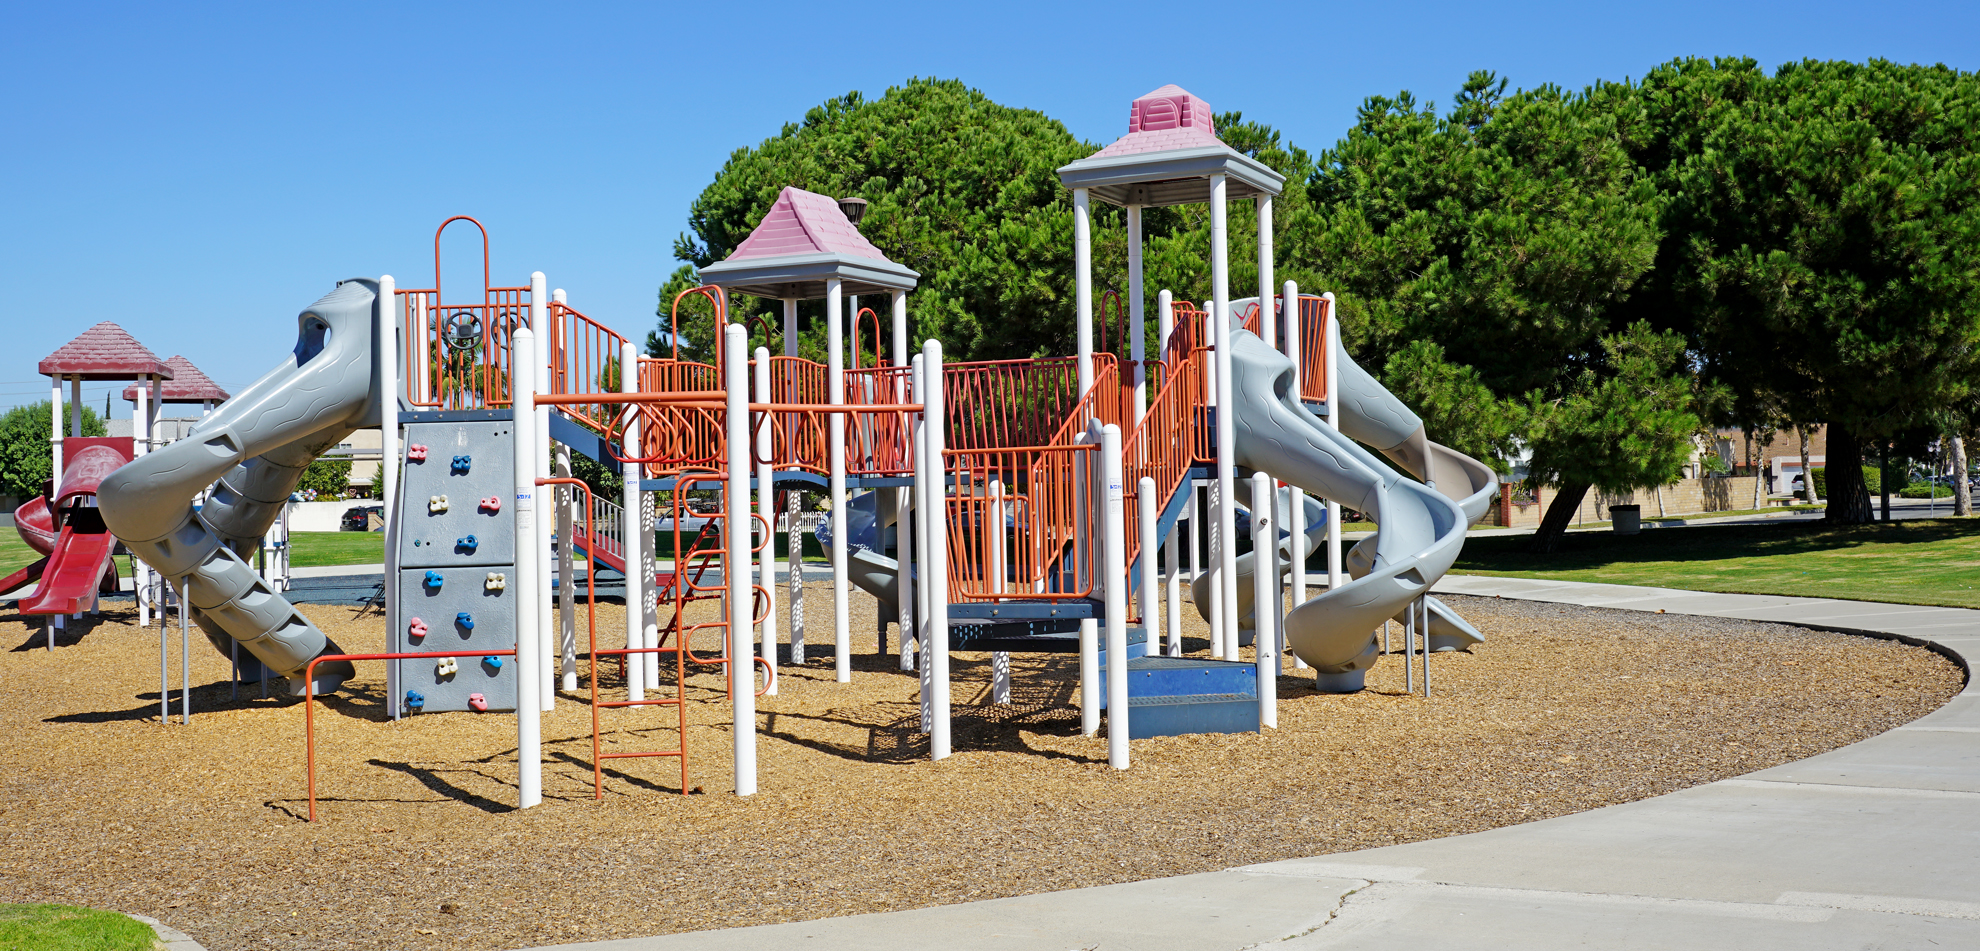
(478, 703)
(492, 503)
(416, 452)
(416, 629)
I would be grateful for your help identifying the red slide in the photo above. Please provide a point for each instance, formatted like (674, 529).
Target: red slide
(78, 565)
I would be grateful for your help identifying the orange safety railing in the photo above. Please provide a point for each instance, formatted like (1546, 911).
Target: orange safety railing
(798, 440)
(584, 358)
(459, 355)
(880, 444)
(1003, 403)
(1313, 317)
(1168, 442)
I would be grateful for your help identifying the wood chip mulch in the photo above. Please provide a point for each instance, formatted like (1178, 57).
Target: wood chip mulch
(1564, 709)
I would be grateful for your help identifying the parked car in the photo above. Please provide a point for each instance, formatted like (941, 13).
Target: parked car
(361, 518)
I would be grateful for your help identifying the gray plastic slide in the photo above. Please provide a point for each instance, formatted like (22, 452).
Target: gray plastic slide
(1421, 527)
(257, 445)
(1316, 535)
(874, 573)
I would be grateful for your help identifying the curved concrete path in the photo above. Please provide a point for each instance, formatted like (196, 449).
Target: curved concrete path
(1875, 845)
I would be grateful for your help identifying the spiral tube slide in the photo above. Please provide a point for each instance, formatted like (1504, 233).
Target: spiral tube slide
(256, 445)
(1420, 528)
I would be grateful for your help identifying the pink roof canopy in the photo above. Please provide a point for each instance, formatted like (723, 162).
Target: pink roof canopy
(803, 222)
(803, 241)
(1167, 157)
(104, 352)
(187, 385)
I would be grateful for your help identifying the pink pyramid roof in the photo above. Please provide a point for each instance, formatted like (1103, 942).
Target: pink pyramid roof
(803, 222)
(1168, 118)
(104, 352)
(187, 385)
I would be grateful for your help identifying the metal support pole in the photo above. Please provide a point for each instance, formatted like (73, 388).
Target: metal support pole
(1265, 597)
(1332, 338)
(1113, 547)
(630, 549)
(766, 507)
(1136, 315)
(835, 423)
(1150, 580)
(1220, 317)
(539, 546)
(735, 570)
(529, 732)
(1083, 286)
(937, 561)
(1295, 496)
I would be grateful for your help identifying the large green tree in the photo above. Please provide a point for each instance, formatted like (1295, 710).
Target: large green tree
(1822, 233)
(1481, 258)
(960, 188)
(24, 454)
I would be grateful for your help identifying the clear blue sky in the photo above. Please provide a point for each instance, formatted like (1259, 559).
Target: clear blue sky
(199, 174)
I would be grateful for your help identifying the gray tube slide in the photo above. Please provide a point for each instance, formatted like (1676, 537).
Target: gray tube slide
(1421, 529)
(868, 569)
(256, 445)
(1316, 535)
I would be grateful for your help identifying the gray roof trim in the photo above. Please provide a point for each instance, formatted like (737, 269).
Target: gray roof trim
(803, 276)
(1172, 177)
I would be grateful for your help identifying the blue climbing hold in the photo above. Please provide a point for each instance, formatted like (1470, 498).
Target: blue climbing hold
(415, 700)
(494, 663)
(465, 620)
(468, 544)
(433, 579)
(461, 463)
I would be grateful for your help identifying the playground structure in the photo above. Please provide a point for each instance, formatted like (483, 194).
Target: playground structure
(1001, 506)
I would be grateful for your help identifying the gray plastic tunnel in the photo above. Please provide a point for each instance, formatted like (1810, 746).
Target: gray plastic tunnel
(256, 445)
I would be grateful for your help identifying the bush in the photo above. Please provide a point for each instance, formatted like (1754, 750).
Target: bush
(1872, 480)
(326, 478)
(24, 451)
(1925, 490)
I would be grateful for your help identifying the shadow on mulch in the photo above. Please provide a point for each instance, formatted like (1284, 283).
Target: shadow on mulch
(70, 634)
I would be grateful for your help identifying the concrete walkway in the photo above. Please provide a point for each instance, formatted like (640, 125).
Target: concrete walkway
(1871, 846)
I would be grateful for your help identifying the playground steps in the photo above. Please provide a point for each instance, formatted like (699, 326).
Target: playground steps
(1172, 696)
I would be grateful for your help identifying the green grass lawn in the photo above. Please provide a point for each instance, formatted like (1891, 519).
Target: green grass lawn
(1922, 561)
(63, 928)
(14, 553)
(317, 549)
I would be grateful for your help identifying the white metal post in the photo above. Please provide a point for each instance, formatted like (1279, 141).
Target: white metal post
(1137, 311)
(766, 506)
(1150, 575)
(1331, 363)
(55, 425)
(1000, 661)
(529, 728)
(630, 550)
(904, 502)
(1087, 533)
(923, 477)
(386, 376)
(936, 564)
(1268, 318)
(1113, 545)
(1220, 317)
(735, 570)
(1295, 496)
(1083, 285)
(835, 384)
(1265, 596)
(793, 539)
(566, 499)
(424, 371)
(140, 444)
(546, 523)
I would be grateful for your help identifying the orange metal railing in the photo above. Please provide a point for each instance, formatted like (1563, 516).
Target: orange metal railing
(584, 359)
(879, 444)
(459, 355)
(1172, 437)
